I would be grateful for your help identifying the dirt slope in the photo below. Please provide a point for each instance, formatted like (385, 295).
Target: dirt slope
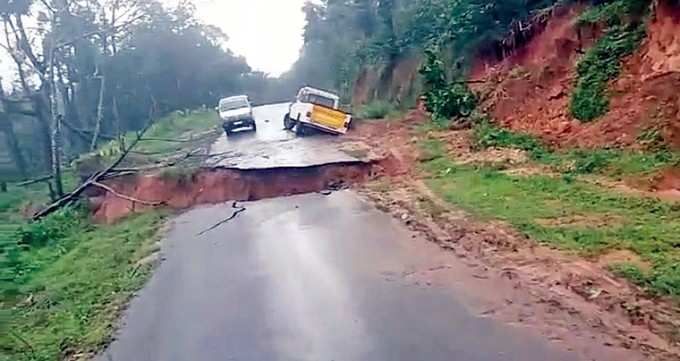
(530, 90)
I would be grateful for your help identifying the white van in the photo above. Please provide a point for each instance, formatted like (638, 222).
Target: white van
(235, 113)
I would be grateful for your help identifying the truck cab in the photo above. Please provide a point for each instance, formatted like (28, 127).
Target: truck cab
(318, 109)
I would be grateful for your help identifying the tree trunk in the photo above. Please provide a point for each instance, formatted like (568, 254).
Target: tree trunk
(44, 130)
(56, 156)
(116, 119)
(100, 113)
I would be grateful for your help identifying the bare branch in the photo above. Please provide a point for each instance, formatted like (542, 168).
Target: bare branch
(48, 6)
(126, 197)
(27, 183)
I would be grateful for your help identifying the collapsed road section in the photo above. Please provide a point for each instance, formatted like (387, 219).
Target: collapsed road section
(182, 189)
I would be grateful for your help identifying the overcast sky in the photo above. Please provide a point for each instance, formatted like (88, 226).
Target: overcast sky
(267, 32)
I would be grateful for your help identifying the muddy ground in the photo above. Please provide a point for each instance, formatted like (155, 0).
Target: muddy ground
(565, 297)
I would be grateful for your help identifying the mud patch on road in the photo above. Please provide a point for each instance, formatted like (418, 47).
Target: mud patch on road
(565, 297)
(182, 189)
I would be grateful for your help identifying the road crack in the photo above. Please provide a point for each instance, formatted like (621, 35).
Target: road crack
(238, 210)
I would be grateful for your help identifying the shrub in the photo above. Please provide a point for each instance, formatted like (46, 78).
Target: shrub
(602, 62)
(614, 12)
(487, 135)
(53, 228)
(445, 99)
(587, 162)
(377, 109)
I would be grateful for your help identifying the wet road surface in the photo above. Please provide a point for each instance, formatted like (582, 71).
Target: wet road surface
(271, 146)
(309, 277)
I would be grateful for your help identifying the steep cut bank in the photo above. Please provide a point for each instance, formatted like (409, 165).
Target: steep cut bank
(530, 90)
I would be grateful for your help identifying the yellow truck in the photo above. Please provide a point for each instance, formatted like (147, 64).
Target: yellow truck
(318, 109)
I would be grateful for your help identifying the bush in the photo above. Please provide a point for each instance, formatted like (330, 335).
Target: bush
(53, 228)
(377, 109)
(588, 162)
(598, 66)
(445, 99)
(614, 12)
(486, 135)
(455, 100)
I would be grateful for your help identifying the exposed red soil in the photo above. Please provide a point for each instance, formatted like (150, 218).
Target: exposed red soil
(667, 182)
(217, 185)
(530, 90)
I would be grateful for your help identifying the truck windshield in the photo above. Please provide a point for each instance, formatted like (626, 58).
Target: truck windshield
(233, 104)
(318, 100)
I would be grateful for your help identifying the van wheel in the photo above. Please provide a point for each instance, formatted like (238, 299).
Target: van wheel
(288, 123)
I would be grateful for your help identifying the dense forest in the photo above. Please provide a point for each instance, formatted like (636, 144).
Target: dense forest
(88, 71)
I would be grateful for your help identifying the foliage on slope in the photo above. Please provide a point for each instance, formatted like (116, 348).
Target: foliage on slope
(346, 35)
(602, 62)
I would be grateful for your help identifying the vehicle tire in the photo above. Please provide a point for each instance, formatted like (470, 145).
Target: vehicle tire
(254, 126)
(288, 123)
(227, 131)
(300, 129)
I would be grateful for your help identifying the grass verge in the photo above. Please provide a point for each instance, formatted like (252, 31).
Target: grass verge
(170, 135)
(567, 214)
(67, 281)
(64, 279)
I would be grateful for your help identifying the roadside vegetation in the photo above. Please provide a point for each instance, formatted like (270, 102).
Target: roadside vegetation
(614, 163)
(624, 31)
(67, 280)
(64, 278)
(558, 208)
(170, 137)
(377, 109)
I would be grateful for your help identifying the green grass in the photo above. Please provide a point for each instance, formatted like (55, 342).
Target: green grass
(63, 279)
(486, 135)
(377, 109)
(195, 126)
(614, 163)
(69, 280)
(613, 12)
(542, 207)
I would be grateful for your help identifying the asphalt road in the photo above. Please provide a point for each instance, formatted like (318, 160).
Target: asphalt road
(309, 277)
(271, 146)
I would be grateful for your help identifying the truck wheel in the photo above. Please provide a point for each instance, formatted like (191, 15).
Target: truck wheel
(288, 123)
(300, 129)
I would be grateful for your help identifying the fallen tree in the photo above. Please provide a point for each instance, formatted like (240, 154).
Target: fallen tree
(94, 179)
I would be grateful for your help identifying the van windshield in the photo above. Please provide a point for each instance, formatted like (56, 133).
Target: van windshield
(318, 100)
(231, 104)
